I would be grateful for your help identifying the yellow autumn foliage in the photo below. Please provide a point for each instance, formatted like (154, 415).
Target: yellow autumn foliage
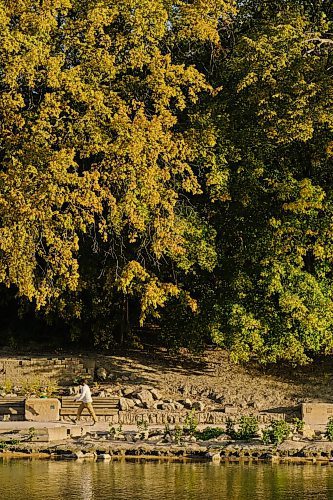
(89, 103)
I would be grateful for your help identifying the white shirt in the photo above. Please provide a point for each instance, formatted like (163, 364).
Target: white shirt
(85, 395)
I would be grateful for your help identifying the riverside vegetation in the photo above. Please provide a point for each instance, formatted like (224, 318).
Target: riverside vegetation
(278, 439)
(168, 162)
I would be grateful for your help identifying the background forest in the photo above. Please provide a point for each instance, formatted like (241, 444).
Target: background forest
(168, 164)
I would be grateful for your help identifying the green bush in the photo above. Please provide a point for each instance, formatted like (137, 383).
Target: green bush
(32, 433)
(298, 424)
(191, 423)
(178, 433)
(143, 427)
(248, 428)
(329, 429)
(209, 433)
(276, 433)
(6, 444)
(167, 430)
(230, 428)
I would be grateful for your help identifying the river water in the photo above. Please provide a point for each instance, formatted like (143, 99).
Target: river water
(125, 480)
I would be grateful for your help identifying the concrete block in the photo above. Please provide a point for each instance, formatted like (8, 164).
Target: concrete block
(47, 434)
(42, 410)
(316, 415)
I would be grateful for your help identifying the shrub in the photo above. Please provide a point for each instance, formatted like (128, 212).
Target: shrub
(39, 387)
(329, 429)
(209, 433)
(178, 433)
(191, 423)
(298, 424)
(276, 433)
(142, 426)
(230, 428)
(7, 386)
(248, 428)
(167, 431)
(31, 433)
(115, 432)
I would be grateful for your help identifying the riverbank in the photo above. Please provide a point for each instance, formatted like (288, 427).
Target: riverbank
(99, 448)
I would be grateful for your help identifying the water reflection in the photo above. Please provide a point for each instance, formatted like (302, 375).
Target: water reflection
(123, 480)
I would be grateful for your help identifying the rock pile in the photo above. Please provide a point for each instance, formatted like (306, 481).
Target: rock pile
(151, 398)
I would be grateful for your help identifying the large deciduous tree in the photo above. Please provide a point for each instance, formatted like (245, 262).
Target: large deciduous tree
(273, 213)
(92, 157)
(176, 152)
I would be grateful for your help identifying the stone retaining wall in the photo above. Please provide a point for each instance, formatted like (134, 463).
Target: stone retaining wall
(164, 417)
(62, 369)
(210, 417)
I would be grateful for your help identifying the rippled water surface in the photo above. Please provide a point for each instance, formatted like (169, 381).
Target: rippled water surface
(25, 479)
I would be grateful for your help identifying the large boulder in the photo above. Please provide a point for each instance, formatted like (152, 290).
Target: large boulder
(156, 394)
(74, 390)
(230, 410)
(130, 403)
(123, 404)
(146, 398)
(128, 391)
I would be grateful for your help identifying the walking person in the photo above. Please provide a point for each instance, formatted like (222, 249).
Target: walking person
(86, 402)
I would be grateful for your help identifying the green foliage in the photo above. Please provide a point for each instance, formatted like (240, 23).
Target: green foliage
(7, 386)
(39, 387)
(167, 430)
(276, 432)
(31, 433)
(329, 429)
(247, 428)
(273, 283)
(298, 424)
(115, 431)
(178, 433)
(3, 445)
(143, 427)
(209, 433)
(230, 428)
(14, 442)
(190, 423)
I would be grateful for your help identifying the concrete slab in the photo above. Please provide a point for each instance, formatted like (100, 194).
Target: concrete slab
(44, 432)
(316, 415)
(42, 410)
(46, 435)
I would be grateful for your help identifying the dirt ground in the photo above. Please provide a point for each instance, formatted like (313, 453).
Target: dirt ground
(213, 379)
